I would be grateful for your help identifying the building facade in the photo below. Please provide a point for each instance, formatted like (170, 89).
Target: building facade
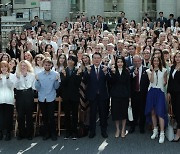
(58, 10)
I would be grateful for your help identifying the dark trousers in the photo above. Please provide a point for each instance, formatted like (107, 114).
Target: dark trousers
(100, 106)
(71, 116)
(138, 109)
(6, 117)
(47, 110)
(24, 105)
(175, 99)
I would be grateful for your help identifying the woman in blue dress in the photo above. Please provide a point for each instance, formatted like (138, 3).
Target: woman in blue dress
(156, 102)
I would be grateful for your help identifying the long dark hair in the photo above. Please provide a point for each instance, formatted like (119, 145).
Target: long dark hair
(160, 62)
(174, 62)
(123, 60)
(161, 58)
(65, 60)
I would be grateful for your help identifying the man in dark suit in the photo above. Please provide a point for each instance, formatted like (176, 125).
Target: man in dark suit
(121, 18)
(161, 19)
(129, 59)
(171, 21)
(97, 94)
(139, 88)
(70, 83)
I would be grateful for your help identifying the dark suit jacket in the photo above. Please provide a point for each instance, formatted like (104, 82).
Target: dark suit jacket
(162, 21)
(128, 61)
(95, 85)
(105, 27)
(144, 82)
(11, 53)
(169, 22)
(70, 86)
(120, 84)
(174, 84)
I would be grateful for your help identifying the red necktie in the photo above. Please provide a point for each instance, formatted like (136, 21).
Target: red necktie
(137, 88)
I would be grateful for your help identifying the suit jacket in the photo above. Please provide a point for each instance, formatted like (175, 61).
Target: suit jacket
(120, 84)
(96, 86)
(144, 82)
(173, 83)
(105, 27)
(12, 54)
(169, 22)
(162, 21)
(128, 61)
(70, 85)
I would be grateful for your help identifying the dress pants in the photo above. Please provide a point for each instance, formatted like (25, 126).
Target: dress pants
(24, 105)
(138, 109)
(100, 106)
(175, 99)
(6, 117)
(47, 110)
(71, 116)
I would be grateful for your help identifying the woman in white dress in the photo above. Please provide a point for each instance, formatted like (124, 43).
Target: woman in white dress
(6, 100)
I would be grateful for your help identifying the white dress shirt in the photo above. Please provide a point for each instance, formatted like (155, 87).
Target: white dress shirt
(25, 82)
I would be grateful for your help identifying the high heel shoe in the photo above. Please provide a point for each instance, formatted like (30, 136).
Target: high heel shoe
(117, 133)
(176, 140)
(123, 134)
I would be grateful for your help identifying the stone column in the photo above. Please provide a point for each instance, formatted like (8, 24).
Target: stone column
(167, 6)
(132, 8)
(59, 10)
(94, 7)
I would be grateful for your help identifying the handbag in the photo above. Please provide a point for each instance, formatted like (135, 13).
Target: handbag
(170, 130)
(130, 114)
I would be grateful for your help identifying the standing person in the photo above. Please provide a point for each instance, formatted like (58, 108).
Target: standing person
(6, 100)
(156, 103)
(173, 90)
(46, 84)
(120, 94)
(71, 79)
(139, 88)
(25, 99)
(97, 94)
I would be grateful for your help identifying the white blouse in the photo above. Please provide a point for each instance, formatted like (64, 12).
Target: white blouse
(38, 69)
(158, 79)
(25, 82)
(7, 89)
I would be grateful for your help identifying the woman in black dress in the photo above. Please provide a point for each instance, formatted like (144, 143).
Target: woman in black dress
(173, 90)
(120, 94)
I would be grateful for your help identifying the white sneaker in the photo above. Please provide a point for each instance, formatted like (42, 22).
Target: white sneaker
(161, 137)
(155, 133)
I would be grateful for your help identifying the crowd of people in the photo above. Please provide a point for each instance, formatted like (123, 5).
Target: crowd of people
(93, 69)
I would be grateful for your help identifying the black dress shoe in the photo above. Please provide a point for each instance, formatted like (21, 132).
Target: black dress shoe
(8, 137)
(1, 135)
(19, 137)
(104, 135)
(67, 135)
(131, 130)
(53, 137)
(45, 137)
(74, 136)
(92, 135)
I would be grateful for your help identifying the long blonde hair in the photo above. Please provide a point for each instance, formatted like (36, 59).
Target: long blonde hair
(29, 66)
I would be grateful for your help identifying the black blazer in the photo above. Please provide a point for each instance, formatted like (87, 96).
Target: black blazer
(162, 22)
(120, 84)
(144, 82)
(169, 22)
(12, 54)
(70, 85)
(173, 83)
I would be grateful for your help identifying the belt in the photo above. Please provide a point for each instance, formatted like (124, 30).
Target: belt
(25, 90)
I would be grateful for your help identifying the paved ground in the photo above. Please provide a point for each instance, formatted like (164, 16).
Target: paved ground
(133, 144)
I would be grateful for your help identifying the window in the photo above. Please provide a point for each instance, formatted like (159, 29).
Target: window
(19, 1)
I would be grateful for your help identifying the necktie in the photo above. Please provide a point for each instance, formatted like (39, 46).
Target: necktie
(97, 73)
(137, 88)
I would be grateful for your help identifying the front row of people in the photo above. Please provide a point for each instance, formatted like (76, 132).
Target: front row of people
(144, 88)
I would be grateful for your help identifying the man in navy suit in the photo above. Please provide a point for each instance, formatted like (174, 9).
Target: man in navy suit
(97, 94)
(171, 21)
(162, 19)
(129, 59)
